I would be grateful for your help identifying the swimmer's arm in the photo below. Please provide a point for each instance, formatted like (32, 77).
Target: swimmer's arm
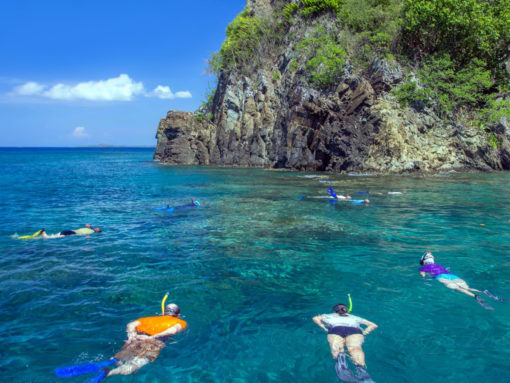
(423, 274)
(318, 321)
(131, 329)
(170, 331)
(371, 326)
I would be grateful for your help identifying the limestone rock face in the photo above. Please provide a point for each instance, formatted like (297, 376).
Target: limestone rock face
(263, 120)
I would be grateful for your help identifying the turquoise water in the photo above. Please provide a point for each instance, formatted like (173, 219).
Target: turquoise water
(249, 269)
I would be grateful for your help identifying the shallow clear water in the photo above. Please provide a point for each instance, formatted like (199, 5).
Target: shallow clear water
(249, 269)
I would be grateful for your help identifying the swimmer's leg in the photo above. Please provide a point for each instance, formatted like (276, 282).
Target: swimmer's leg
(129, 367)
(336, 344)
(354, 344)
(461, 286)
(458, 285)
(342, 369)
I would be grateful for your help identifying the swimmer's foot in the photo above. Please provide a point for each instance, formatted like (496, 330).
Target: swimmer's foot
(362, 375)
(490, 295)
(342, 369)
(482, 303)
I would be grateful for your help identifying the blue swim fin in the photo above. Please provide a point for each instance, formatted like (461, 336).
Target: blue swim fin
(482, 303)
(492, 296)
(80, 369)
(342, 369)
(98, 377)
(363, 376)
(332, 193)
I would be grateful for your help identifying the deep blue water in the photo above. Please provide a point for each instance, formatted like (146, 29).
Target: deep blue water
(249, 269)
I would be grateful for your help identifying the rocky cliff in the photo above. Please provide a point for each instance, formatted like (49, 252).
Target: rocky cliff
(280, 121)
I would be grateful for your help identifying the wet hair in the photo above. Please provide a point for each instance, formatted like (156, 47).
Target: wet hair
(97, 230)
(172, 309)
(341, 309)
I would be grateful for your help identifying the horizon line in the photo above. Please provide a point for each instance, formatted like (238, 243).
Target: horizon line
(78, 147)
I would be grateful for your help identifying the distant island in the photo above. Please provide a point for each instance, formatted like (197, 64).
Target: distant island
(117, 146)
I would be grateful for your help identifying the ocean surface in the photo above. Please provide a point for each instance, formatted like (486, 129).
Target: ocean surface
(249, 269)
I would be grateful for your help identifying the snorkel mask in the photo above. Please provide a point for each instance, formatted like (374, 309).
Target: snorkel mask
(341, 309)
(171, 309)
(427, 258)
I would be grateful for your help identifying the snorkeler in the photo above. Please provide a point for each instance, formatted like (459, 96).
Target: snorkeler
(146, 337)
(170, 209)
(344, 329)
(42, 233)
(333, 195)
(65, 233)
(452, 281)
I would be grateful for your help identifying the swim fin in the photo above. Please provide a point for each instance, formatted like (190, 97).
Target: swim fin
(490, 295)
(363, 375)
(332, 193)
(98, 377)
(342, 369)
(482, 303)
(31, 236)
(80, 369)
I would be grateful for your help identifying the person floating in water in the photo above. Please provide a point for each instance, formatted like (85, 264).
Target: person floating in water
(452, 281)
(146, 337)
(82, 231)
(65, 233)
(333, 195)
(344, 329)
(170, 209)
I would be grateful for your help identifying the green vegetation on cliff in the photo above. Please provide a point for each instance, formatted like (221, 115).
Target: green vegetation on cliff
(456, 49)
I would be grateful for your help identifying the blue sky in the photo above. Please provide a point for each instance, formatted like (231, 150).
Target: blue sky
(76, 73)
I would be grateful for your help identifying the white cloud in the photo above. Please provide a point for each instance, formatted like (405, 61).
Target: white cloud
(121, 88)
(79, 133)
(183, 94)
(29, 89)
(164, 92)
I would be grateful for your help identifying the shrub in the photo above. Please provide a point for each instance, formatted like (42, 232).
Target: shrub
(325, 61)
(276, 76)
(466, 29)
(289, 11)
(293, 66)
(315, 7)
(249, 39)
(209, 97)
(376, 22)
(446, 88)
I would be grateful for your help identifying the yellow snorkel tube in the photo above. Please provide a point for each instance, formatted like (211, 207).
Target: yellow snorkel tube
(163, 304)
(350, 303)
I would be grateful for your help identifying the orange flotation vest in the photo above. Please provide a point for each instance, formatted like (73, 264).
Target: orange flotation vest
(156, 325)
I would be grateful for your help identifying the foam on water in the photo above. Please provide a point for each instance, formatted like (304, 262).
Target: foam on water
(249, 269)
